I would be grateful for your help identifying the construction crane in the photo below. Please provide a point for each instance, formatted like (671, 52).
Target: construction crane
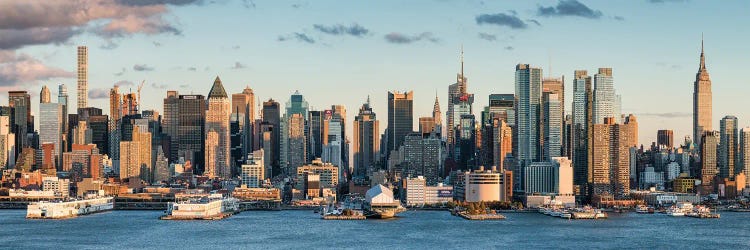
(139, 94)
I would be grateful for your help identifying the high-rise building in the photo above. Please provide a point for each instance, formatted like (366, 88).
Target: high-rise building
(465, 150)
(50, 118)
(7, 143)
(217, 132)
(728, 147)
(605, 99)
(610, 171)
(339, 112)
(502, 142)
(551, 86)
(422, 157)
(244, 105)
(115, 124)
(161, 167)
(582, 132)
(315, 134)
(135, 155)
(171, 122)
(400, 120)
(44, 95)
(709, 148)
(190, 130)
(528, 104)
(83, 161)
(329, 173)
(253, 171)
(366, 140)
(83, 76)
(62, 99)
(743, 161)
(99, 126)
(552, 126)
(665, 138)
(455, 91)
(436, 116)
(702, 102)
(20, 101)
(293, 134)
(271, 122)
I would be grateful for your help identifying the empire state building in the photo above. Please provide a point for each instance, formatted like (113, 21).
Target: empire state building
(702, 104)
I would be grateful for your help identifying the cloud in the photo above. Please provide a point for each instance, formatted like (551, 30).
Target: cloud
(399, 38)
(110, 45)
(192, 69)
(142, 67)
(502, 19)
(98, 93)
(22, 70)
(236, 47)
(24, 23)
(619, 18)
(301, 37)
(339, 29)
(122, 72)
(17, 38)
(508, 48)
(238, 65)
(668, 114)
(248, 4)
(569, 8)
(486, 36)
(667, 1)
(184, 86)
(534, 22)
(157, 44)
(123, 83)
(158, 86)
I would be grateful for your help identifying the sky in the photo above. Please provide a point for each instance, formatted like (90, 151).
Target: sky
(341, 52)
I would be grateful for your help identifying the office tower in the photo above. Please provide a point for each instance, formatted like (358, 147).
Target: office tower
(244, 104)
(333, 142)
(271, 122)
(44, 95)
(665, 138)
(605, 98)
(554, 86)
(130, 104)
(82, 134)
(83, 76)
(49, 160)
(366, 140)
(235, 143)
(339, 111)
(462, 105)
(190, 130)
(400, 119)
(427, 125)
(20, 101)
(50, 120)
(161, 167)
(455, 92)
(315, 135)
(62, 99)
(582, 132)
(728, 147)
(7, 144)
(171, 122)
(329, 173)
(253, 173)
(83, 161)
(99, 136)
(552, 126)
(502, 142)
(296, 143)
(709, 170)
(528, 103)
(422, 157)
(466, 145)
(503, 106)
(135, 155)
(743, 161)
(500, 108)
(217, 132)
(702, 102)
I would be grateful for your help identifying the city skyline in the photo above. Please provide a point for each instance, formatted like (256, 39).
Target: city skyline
(488, 67)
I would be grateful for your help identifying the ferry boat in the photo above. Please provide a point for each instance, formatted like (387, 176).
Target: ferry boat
(68, 209)
(643, 209)
(379, 203)
(680, 209)
(213, 207)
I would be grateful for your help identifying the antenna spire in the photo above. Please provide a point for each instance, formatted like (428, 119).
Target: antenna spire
(703, 57)
(462, 61)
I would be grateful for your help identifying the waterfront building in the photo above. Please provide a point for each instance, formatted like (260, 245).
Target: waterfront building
(422, 156)
(482, 185)
(611, 156)
(83, 77)
(728, 146)
(253, 171)
(684, 184)
(400, 120)
(366, 140)
(416, 193)
(329, 173)
(217, 132)
(702, 101)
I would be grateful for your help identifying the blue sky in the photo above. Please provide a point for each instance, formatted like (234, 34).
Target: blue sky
(275, 48)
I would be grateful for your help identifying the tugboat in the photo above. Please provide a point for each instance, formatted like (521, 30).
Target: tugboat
(379, 203)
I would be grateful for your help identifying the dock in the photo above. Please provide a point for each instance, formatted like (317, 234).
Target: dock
(344, 217)
(481, 216)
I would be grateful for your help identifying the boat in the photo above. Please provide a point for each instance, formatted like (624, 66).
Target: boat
(68, 209)
(680, 209)
(213, 207)
(566, 215)
(643, 209)
(379, 203)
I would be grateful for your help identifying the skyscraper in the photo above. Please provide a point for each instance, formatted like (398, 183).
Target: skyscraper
(435, 116)
(20, 101)
(555, 86)
(552, 126)
(170, 123)
(528, 103)
(702, 103)
(7, 144)
(271, 123)
(582, 132)
(743, 161)
(244, 104)
(605, 99)
(44, 95)
(366, 140)
(400, 119)
(191, 129)
(62, 99)
(728, 147)
(293, 133)
(135, 155)
(115, 122)
(83, 76)
(217, 132)
(50, 117)
(315, 135)
(455, 91)
(502, 142)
